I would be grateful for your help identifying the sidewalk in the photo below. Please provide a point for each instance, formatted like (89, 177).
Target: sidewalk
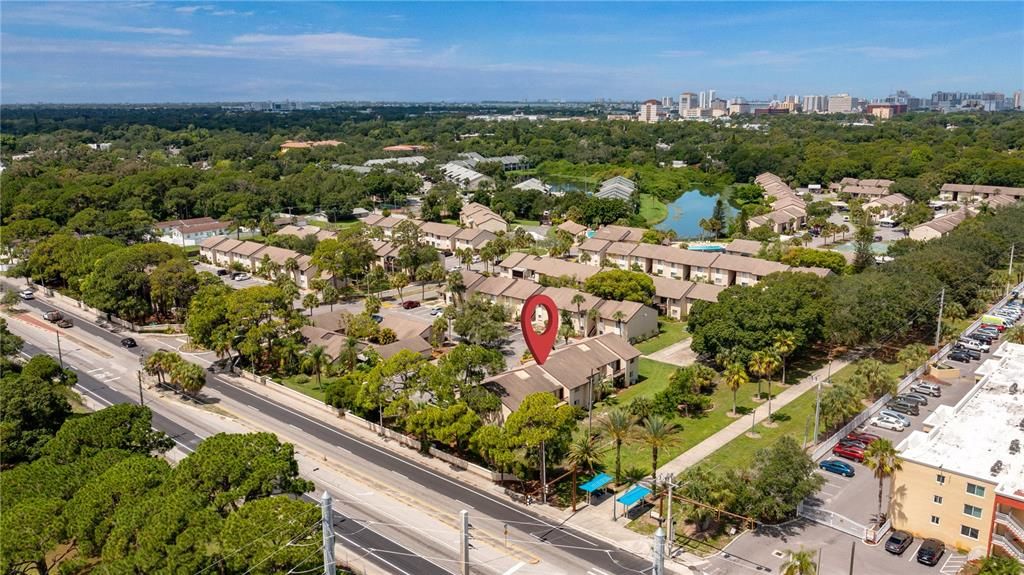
(737, 428)
(678, 354)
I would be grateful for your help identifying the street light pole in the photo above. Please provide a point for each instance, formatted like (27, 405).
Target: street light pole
(60, 356)
(817, 410)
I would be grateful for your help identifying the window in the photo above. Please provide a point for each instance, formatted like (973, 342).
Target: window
(970, 532)
(937, 499)
(940, 479)
(972, 510)
(935, 519)
(975, 490)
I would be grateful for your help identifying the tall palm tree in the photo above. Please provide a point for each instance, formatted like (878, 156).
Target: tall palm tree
(883, 460)
(455, 286)
(577, 300)
(1015, 334)
(618, 425)
(310, 301)
(592, 315)
(157, 365)
(398, 281)
(735, 377)
(799, 563)
(188, 377)
(350, 352)
(658, 432)
(291, 265)
(784, 344)
(618, 316)
(316, 361)
(584, 451)
(767, 364)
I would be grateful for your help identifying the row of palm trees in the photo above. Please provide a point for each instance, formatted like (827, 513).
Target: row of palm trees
(764, 364)
(619, 426)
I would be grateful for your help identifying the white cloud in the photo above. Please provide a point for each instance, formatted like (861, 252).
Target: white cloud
(333, 44)
(191, 9)
(681, 53)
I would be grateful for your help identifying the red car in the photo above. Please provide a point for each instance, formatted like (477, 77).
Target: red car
(999, 328)
(410, 304)
(846, 452)
(867, 438)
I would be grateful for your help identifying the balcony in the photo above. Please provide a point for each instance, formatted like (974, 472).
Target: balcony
(1008, 546)
(1011, 523)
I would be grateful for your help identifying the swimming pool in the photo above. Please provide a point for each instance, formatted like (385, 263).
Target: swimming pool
(706, 248)
(880, 248)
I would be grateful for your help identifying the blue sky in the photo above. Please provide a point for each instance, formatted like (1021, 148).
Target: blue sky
(218, 51)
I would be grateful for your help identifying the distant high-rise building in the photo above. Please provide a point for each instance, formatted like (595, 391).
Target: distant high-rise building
(1017, 96)
(650, 112)
(711, 97)
(792, 99)
(840, 104)
(815, 104)
(687, 100)
(703, 100)
(666, 102)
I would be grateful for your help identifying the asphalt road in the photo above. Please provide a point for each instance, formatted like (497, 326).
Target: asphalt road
(355, 533)
(591, 550)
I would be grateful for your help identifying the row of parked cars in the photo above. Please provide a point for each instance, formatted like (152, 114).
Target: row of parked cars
(970, 347)
(929, 553)
(54, 316)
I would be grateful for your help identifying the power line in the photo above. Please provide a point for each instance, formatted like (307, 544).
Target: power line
(250, 544)
(290, 543)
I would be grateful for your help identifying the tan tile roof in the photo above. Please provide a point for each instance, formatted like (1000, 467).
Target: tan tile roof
(405, 326)
(414, 344)
(594, 245)
(471, 234)
(372, 219)
(494, 286)
(440, 229)
(212, 241)
(562, 296)
(298, 231)
(572, 227)
(755, 266)
(620, 249)
(189, 222)
(521, 289)
(628, 308)
(670, 288)
(247, 248)
(976, 189)
(747, 247)
(705, 292)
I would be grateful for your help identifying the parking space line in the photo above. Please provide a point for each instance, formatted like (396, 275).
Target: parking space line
(913, 556)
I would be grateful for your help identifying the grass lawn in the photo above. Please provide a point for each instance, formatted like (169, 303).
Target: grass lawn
(652, 209)
(654, 378)
(532, 223)
(797, 419)
(309, 387)
(451, 221)
(670, 332)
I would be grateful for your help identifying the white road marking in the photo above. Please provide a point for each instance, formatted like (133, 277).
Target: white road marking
(515, 568)
(913, 556)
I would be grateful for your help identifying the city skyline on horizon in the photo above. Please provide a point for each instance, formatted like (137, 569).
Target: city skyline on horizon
(164, 52)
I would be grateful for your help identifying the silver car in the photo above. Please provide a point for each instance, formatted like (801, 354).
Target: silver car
(925, 388)
(895, 415)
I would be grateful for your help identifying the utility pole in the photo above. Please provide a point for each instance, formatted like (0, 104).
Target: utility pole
(659, 552)
(464, 545)
(139, 374)
(853, 549)
(590, 407)
(669, 479)
(1009, 272)
(60, 356)
(938, 327)
(817, 411)
(543, 474)
(327, 520)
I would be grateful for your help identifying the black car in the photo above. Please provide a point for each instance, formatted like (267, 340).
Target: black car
(853, 443)
(222, 272)
(931, 551)
(903, 407)
(960, 356)
(975, 354)
(898, 542)
(983, 337)
(128, 342)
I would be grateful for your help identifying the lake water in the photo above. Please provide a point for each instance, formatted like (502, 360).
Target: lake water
(685, 214)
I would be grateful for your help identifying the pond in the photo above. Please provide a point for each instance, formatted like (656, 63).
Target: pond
(879, 248)
(686, 212)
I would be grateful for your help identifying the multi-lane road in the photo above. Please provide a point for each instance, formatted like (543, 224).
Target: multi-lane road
(568, 548)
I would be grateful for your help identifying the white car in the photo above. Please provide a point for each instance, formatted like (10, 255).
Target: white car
(26, 294)
(454, 269)
(240, 277)
(895, 416)
(887, 423)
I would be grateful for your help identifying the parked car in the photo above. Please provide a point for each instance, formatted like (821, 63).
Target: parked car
(898, 542)
(999, 327)
(903, 407)
(222, 272)
(436, 311)
(52, 316)
(853, 453)
(983, 338)
(868, 438)
(887, 423)
(896, 415)
(930, 552)
(239, 277)
(975, 354)
(926, 388)
(973, 344)
(837, 467)
(377, 318)
(26, 294)
(960, 356)
(410, 304)
(913, 398)
(847, 442)
(454, 269)
(64, 323)
(128, 342)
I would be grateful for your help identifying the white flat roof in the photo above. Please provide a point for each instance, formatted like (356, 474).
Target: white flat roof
(970, 437)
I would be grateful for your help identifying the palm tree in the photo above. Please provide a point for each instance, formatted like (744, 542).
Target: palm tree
(592, 315)
(618, 316)
(584, 451)
(619, 426)
(913, 355)
(784, 344)
(799, 563)
(156, 365)
(999, 565)
(222, 342)
(350, 352)
(188, 377)
(316, 361)
(577, 300)
(398, 281)
(291, 265)
(310, 302)
(735, 377)
(1015, 334)
(768, 364)
(873, 373)
(883, 460)
(658, 432)
(455, 286)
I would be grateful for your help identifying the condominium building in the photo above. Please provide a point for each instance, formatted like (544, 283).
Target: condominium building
(688, 100)
(815, 104)
(962, 478)
(840, 104)
(650, 112)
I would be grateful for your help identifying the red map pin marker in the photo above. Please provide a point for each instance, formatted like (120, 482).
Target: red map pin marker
(539, 343)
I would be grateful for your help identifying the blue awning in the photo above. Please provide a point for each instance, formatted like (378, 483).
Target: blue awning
(633, 495)
(599, 481)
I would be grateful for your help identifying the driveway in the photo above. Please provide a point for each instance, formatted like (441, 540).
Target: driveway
(676, 354)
